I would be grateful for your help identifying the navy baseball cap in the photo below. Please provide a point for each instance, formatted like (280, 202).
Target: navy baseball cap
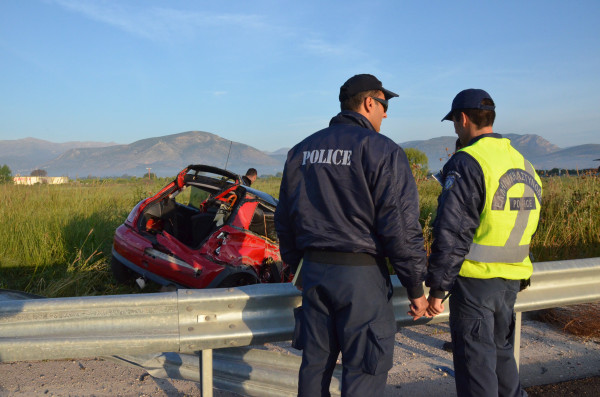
(470, 99)
(360, 83)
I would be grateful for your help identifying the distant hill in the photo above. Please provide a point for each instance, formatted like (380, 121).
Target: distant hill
(575, 157)
(280, 152)
(165, 155)
(438, 150)
(531, 146)
(25, 155)
(279, 155)
(543, 154)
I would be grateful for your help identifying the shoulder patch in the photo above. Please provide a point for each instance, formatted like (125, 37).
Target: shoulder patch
(451, 179)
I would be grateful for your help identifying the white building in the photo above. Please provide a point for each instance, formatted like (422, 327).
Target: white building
(32, 180)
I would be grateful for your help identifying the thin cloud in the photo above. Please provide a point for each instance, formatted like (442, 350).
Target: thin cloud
(321, 47)
(161, 24)
(158, 24)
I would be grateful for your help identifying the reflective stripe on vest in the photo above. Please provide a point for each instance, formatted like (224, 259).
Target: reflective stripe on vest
(511, 252)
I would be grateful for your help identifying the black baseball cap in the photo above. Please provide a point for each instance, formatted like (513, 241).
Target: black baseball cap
(470, 99)
(360, 83)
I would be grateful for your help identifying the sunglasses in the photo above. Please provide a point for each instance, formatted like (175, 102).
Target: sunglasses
(383, 102)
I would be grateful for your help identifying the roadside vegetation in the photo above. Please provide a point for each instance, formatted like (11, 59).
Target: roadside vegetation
(5, 174)
(55, 240)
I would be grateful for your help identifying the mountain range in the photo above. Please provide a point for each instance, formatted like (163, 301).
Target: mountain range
(25, 155)
(542, 154)
(166, 155)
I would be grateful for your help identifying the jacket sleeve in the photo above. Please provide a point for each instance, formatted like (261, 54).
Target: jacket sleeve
(459, 207)
(284, 227)
(396, 201)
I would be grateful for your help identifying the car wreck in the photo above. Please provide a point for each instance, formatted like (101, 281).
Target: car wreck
(205, 229)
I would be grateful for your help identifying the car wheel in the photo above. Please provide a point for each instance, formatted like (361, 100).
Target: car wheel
(168, 288)
(238, 280)
(121, 272)
(276, 272)
(287, 272)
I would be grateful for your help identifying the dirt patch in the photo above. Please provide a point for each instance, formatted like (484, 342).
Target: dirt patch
(579, 387)
(581, 320)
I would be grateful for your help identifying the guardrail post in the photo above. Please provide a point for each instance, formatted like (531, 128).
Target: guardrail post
(206, 372)
(517, 341)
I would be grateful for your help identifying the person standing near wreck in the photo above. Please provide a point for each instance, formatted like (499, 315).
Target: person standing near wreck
(250, 176)
(347, 201)
(487, 213)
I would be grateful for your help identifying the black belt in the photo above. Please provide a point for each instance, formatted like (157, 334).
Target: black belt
(341, 258)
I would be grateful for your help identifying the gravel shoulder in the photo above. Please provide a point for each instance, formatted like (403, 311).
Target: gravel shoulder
(421, 368)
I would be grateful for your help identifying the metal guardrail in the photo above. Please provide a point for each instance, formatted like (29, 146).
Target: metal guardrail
(256, 372)
(188, 321)
(243, 370)
(561, 283)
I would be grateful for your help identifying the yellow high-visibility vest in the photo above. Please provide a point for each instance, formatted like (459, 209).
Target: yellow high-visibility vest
(513, 196)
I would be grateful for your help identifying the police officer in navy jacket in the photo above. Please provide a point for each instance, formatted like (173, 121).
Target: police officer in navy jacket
(347, 202)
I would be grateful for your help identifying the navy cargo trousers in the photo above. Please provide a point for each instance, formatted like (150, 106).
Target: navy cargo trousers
(482, 324)
(347, 309)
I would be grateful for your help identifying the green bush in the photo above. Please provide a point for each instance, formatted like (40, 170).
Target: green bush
(5, 174)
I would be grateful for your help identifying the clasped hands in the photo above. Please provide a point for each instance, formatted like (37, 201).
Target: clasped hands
(422, 307)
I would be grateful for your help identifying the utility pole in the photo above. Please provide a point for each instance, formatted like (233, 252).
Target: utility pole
(148, 172)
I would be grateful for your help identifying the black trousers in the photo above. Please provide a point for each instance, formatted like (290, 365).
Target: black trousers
(482, 323)
(345, 309)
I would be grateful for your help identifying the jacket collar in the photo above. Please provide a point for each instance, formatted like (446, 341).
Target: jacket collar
(352, 118)
(491, 135)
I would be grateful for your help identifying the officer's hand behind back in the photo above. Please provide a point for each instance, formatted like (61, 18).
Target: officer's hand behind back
(418, 308)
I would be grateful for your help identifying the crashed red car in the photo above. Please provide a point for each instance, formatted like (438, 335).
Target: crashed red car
(206, 229)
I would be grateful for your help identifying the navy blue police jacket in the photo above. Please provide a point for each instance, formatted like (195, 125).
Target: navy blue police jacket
(348, 188)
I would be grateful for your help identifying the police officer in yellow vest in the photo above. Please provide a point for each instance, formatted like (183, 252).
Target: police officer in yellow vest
(487, 213)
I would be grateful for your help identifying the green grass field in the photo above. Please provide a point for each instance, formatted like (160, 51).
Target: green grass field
(55, 240)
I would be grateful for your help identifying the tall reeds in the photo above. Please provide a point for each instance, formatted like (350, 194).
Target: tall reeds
(55, 240)
(569, 225)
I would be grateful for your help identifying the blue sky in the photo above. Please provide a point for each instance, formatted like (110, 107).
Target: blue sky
(267, 73)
